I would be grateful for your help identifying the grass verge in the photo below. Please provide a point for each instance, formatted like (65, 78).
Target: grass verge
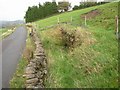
(18, 80)
(5, 32)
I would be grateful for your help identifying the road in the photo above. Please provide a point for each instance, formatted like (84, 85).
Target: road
(12, 49)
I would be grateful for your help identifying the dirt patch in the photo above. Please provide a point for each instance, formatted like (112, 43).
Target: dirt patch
(91, 14)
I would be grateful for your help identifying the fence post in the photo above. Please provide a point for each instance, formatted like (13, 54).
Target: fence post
(85, 21)
(71, 19)
(58, 19)
(116, 30)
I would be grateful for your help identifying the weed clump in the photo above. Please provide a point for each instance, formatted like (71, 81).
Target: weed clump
(72, 38)
(68, 38)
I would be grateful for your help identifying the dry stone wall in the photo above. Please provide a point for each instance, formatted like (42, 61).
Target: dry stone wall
(36, 70)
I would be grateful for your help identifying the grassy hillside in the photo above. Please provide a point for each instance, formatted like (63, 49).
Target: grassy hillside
(90, 64)
(108, 14)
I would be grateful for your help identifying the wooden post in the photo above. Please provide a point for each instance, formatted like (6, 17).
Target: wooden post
(117, 24)
(116, 30)
(85, 21)
(58, 20)
(71, 19)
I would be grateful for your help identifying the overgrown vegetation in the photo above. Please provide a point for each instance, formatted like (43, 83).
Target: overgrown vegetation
(18, 80)
(94, 63)
(87, 63)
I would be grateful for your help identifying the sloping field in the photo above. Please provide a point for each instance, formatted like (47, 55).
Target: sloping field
(93, 63)
(108, 13)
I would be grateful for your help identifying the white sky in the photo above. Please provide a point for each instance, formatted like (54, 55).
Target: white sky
(15, 9)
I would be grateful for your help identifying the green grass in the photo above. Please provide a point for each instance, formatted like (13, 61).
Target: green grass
(87, 66)
(5, 32)
(106, 19)
(2, 31)
(109, 11)
(18, 81)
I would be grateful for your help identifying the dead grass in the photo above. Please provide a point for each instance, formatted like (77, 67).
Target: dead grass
(85, 36)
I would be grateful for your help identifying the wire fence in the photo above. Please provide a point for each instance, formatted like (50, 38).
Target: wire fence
(64, 22)
(84, 24)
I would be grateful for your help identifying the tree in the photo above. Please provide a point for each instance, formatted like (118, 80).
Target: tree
(38, 12)
(64, 6)
(41, 11)
(50, 8)
(28, 15)
(54, 7)
(75, 7)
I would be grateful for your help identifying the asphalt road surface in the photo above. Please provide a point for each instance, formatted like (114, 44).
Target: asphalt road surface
(12, 49)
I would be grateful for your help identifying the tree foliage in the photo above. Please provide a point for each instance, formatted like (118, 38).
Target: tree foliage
(64, 6)
(86, 4)
(41, 11)
(49, 8)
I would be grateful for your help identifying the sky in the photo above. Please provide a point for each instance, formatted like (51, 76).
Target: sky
(11, 10)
